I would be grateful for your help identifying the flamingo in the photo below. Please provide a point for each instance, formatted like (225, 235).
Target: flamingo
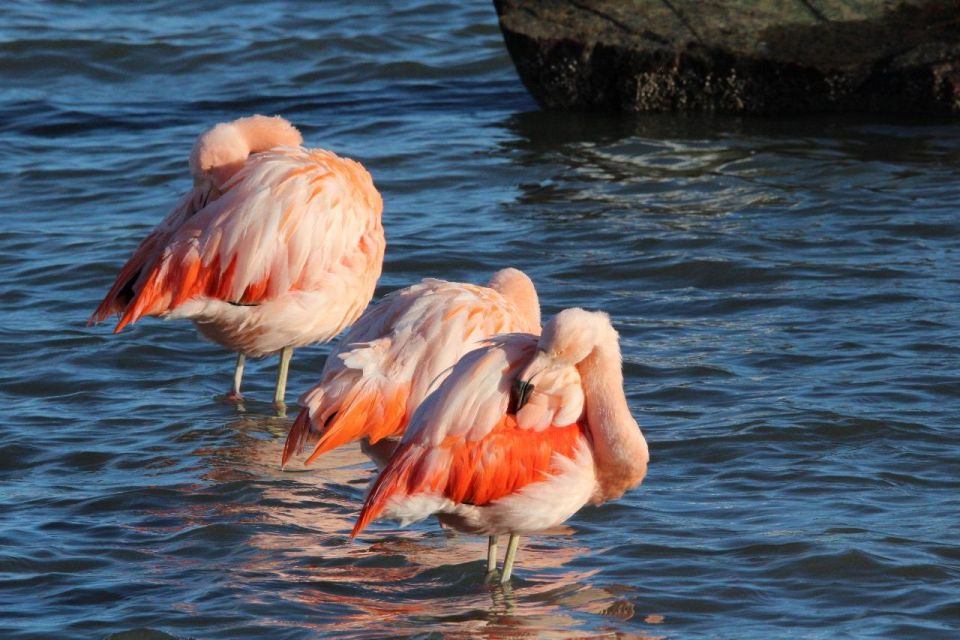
(524, 432)
(400, 348)
(275, 247)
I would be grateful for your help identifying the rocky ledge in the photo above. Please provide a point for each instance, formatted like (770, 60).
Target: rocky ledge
(737, 56)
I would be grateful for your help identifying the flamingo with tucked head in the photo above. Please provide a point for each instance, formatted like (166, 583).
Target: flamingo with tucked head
(275, 247)
(524, 432)
(399, 350)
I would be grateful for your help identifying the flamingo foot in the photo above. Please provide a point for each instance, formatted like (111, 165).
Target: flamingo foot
(233, 397)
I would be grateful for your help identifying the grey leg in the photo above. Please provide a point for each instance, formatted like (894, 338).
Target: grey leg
(492, 555)
(234, 394)
(509, 558)
(285, 354)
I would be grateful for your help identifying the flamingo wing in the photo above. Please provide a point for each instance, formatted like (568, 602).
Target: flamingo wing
(390, 359)
(288, 220)
(152, 247)
(463, 445)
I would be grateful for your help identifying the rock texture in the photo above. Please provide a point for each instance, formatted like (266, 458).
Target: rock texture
(737, 56)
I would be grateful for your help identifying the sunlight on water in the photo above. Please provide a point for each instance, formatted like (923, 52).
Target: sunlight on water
(785, 291)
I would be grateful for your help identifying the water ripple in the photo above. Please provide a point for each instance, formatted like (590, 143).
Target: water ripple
(785, 291)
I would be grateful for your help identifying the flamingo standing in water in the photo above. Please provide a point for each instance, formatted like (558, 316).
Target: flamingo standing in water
(275, 247)
(398, 351)
(523, 432)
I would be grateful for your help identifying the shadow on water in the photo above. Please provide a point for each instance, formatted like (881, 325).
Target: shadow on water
(548, 130)
(644, 155)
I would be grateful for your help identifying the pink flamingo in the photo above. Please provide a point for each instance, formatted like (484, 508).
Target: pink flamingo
(521, 434)
(275, 247)
(401, 348)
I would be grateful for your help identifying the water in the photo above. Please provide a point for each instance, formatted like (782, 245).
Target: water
(786, 292)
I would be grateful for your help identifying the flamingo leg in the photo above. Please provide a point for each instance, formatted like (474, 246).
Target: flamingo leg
(492, 555)
(285, 354)
(234, 394)
(509, 558)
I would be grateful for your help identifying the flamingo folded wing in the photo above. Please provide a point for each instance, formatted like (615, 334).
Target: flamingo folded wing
(143, 258)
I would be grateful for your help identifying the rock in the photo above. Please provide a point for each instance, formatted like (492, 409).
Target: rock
(737, 56)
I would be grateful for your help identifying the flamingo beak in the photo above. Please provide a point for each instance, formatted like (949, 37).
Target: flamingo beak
(523, 385)
(209, 189)
(520, 392)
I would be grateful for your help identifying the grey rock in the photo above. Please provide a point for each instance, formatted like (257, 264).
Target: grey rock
(737, 56)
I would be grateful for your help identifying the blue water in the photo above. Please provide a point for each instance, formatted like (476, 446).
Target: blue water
(786, 292)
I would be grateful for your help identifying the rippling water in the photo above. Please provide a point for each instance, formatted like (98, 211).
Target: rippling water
(786, 292)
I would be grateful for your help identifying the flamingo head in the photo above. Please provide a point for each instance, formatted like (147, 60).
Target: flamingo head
(222, 150)
(567, 340)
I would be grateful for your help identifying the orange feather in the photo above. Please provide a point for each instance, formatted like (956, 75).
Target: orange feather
(364, 413)
(501, 463)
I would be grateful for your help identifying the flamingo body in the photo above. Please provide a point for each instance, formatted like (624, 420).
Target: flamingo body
(486, 461)
(399, 350)
(275, 247)
(481, 469)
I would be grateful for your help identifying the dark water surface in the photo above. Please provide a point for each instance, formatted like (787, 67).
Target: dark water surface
(786, 291)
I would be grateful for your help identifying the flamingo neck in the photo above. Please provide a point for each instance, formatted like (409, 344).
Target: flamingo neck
(261, 133)
(619, 448)
(222, 151)
(529, 307)
(516, 287)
